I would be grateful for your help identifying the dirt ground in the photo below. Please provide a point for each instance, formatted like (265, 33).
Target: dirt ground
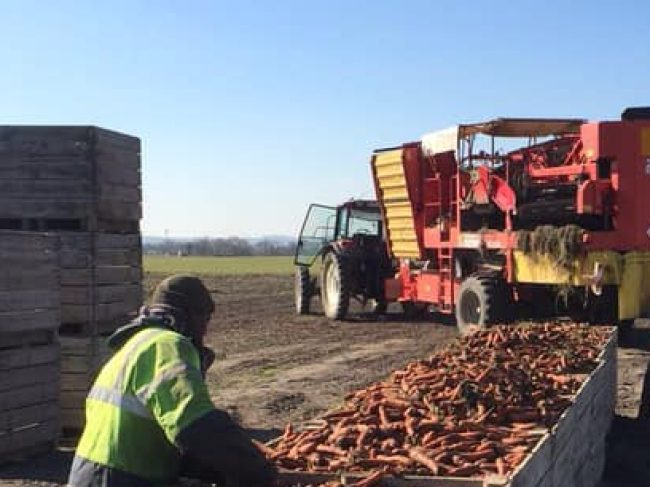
(274, 367)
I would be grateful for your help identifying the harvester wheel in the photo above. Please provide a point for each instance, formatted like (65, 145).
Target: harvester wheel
(303, 289)
(335, 286)
(482, 300)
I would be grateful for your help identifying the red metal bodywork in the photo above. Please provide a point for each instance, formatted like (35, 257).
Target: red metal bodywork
(603, 168)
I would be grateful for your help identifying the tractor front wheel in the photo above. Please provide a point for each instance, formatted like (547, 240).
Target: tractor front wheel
(303, 290)
(482, 301)
(335, 286)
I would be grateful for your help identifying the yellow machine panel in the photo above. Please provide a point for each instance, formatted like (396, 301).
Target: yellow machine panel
(394, 198)
(630, 272)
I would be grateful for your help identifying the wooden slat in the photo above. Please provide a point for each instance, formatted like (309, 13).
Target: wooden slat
(73, 400)
(28, 415)
(23, 377)
(18, 441)
(73, 169)
(50, 189)
(27, 241)
(103, 312)
(121, 170)
(83, 346)
(72, 418)
(118, 209)
(22, 300)
(78, 241)
(71, 364)
(33, 142)
(29, 356)
(79, 259)
(23, 321)
(103, 276)
(28, 279)
(112, 141)
(116, 192)
(26, 396)
(126, 293)
(76, 382)
(29, 206)
(25, 339)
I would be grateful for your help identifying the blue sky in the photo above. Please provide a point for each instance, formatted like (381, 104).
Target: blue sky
(249, 110)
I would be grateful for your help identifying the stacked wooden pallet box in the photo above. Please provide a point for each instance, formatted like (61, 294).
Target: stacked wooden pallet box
(82, 184)
(29, 350)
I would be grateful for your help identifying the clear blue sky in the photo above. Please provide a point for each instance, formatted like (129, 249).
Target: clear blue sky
(249, 110)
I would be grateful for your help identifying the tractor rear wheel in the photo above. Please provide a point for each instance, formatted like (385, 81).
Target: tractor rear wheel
(303, 290)
(482, 301)
(335, 286)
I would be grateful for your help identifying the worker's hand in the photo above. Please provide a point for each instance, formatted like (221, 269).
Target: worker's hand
(221, 446)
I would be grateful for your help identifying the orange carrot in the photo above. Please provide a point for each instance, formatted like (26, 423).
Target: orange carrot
(370, 480)
(422, 458)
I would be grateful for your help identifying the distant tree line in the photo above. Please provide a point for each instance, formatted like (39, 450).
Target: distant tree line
(231, 246)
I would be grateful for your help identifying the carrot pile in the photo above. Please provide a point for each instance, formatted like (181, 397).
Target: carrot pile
(476, 408)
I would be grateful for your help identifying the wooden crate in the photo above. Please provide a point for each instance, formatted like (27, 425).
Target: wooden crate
(69, 178)
(572, 453)
(81, 360)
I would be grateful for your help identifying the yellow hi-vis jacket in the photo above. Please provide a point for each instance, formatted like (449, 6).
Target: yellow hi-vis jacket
(147, 393)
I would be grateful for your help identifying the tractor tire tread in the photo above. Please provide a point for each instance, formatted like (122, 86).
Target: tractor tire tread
(303, 290)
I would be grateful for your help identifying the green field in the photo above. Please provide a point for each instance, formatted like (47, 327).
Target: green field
(162, 264)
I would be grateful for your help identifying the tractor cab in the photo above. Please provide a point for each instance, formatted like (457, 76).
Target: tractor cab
(349, 242)
(339, 226)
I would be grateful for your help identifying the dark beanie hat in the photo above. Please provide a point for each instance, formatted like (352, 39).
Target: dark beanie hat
(185, 292)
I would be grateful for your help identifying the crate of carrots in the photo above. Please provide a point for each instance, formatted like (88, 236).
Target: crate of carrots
(510, 405)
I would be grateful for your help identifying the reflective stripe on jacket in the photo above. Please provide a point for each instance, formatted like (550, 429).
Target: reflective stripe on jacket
(146, 394)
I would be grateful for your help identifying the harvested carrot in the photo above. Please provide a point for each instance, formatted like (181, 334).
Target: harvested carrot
(373, 479)
(330, 450)
(501, 468)
(421, 457)
(473, 408)
(397, 460)
(464, 471)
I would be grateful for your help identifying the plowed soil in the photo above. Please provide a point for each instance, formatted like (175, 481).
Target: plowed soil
(274, 367)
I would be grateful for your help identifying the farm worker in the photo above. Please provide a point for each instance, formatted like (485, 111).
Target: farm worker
(149, 410)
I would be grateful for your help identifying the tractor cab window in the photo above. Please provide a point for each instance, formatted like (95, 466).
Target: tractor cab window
(318, 230)
(364, 222)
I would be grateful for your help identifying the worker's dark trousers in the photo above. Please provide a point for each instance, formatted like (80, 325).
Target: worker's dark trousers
(85, 473)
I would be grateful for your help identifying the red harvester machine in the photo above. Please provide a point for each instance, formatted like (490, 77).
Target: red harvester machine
(560, 218)
(556, 221)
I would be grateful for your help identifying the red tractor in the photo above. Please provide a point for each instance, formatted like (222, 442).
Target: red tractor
(348, 243)
(493, 219)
